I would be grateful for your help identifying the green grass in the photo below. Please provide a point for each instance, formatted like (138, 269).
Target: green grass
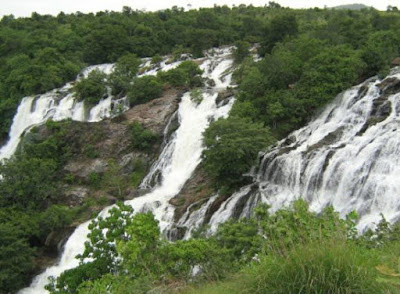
(331, 267)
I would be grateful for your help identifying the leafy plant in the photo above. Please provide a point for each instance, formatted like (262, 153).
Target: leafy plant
(232, 146)
(91, 89)
(141, 138)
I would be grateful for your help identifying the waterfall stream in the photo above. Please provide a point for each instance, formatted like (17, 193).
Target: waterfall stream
(176, 163)
(348, 157)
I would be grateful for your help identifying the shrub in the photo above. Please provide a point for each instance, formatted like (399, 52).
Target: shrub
(91, 89)
(186, 75)
(125, 71)
(232, 146)
(327, 267)
(16, 262)
(144, 89)
(54, 218)
(141, 138)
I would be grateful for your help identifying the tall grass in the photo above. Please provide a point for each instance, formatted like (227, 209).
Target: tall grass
(330, 267)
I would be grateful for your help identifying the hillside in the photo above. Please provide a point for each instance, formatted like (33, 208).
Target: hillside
(200, 151)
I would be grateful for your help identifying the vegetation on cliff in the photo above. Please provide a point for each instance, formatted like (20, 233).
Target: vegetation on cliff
(291, 251)
(308, 57)
(43, 52)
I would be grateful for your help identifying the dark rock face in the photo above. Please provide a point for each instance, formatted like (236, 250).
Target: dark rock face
(198, 187)
(224, 96)
(56, 239)
(381, 106)
(155, 114)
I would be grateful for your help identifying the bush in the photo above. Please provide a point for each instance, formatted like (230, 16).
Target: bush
(141, 138)
(91, 89)
(28, 182)
(144, 89)
(186, 75)
(241, 51)
(125, 71)
(55, 218)
(16, 262)
(327, 267)
(232, 146)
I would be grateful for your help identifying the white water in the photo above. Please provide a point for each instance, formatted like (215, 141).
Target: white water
(335, 161)
(57, 104)
(176, 163)
(60, 104)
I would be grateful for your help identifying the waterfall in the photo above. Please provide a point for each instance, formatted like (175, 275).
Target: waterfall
(176, 163)
(348, 157)
(60, 104)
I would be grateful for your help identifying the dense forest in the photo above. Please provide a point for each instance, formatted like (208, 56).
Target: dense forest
(306, 58)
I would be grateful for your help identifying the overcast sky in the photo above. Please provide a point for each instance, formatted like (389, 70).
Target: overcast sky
(26, 7)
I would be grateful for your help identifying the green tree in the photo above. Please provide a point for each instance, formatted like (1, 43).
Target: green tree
(100, 249)
(241, 51)
(144, 89)
(125, 71)
(16, 258)
(142, 138)
(232, 146)
(281, 26)
(91, 89)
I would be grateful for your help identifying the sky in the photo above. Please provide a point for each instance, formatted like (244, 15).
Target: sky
(26, 7)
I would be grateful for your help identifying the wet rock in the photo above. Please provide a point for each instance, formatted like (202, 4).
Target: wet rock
(176, 233)
(390, 85)
(173, 126)
(134, 193)
(56, 240)
(329, 139)
(155, 114)
(224, 95)
(198, 187)
(210, 83)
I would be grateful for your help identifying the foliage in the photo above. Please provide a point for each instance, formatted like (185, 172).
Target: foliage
(16, 260)
(55, 218)
(27, 182)
(281, 26)
(125, 71)
(91, 89)
(312, 55)
(327, 267)
(139, 172)
(291, 251)
(241, 51)
(141, 138)
(101, 248)
(112, 181)
(144, 89)
(186, 75)
(196, 95)
(232, 146)
(41, 52)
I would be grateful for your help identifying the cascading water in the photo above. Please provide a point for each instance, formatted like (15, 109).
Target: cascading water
(176, 163)
(57, 104)
(348, 157)
(60, 104)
